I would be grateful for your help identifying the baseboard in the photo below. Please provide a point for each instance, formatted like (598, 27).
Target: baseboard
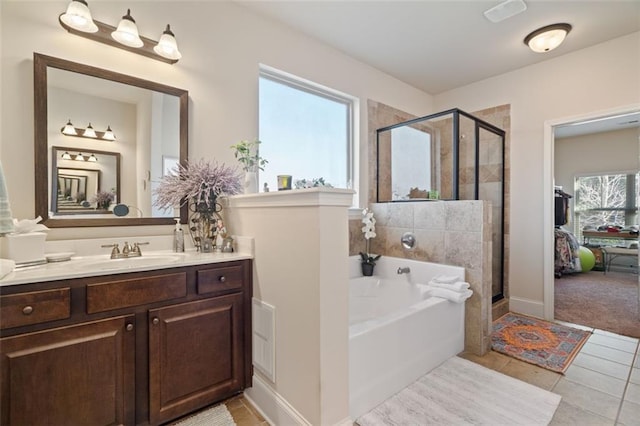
(532, 308)
(272, 406)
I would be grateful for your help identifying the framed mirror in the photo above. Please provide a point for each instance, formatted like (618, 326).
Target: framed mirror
(137, 125)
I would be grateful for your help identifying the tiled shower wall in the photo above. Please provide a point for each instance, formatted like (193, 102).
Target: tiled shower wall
(450, 232)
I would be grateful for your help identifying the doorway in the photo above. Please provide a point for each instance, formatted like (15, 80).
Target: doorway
(561, 138)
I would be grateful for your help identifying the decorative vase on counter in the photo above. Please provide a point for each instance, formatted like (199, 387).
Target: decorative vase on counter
(367, 269)
(251, 182)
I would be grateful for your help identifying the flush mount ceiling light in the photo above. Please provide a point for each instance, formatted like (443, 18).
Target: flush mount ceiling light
(167, 47)
(78, 17)
(68, 129)
(108, 134)
(547, 38)
(89, 132)
(127, 32)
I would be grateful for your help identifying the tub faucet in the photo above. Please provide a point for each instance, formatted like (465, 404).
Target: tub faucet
(404, 270)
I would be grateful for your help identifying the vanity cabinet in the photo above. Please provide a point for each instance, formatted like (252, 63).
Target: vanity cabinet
(133, 348)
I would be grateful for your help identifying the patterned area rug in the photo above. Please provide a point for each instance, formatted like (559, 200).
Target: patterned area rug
(460, 392)
(548, 345)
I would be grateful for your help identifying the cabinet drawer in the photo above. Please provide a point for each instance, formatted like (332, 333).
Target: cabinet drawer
(133, 292)
(219, 279)
(35, 307)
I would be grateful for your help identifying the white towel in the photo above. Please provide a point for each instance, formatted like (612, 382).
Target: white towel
(445, 279)
(6, 267)
(458, 286)
(6, 224)
(450, 295)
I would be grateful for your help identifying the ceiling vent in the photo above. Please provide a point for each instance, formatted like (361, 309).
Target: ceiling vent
(505, 10)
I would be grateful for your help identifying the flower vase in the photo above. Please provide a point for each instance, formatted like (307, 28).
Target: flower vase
(251, 182)
(367, 269)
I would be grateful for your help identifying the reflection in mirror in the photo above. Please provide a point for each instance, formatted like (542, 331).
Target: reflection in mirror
(150, 124)
(80, 177)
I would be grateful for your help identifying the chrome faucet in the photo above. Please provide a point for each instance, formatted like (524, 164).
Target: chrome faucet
(405, 270)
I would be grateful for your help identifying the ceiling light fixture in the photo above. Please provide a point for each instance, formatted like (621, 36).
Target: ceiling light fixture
(127, 32)
(78, 17)
(167, 47)
(547, 38)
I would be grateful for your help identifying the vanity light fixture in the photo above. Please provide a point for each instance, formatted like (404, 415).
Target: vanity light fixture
(68, 129)
(108, 134)
(127, 32)
(92, 158)
(125, 36)
(66, 156)
(78, 17)
(79, 157)
(547, 38)
(89, 132)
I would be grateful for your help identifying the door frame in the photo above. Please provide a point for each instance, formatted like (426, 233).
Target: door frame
(547, 194)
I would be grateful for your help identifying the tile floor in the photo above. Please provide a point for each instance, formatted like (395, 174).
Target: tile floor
(601, 387)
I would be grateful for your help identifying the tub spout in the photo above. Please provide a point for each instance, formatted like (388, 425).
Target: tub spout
(404, 270)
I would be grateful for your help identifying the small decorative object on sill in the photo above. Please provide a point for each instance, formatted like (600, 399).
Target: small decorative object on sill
(284, 182)
(200, 184)
(312, 183)
(247, 153)
(369, 230)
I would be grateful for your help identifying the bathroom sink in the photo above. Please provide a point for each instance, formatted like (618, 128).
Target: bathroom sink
(129, 262)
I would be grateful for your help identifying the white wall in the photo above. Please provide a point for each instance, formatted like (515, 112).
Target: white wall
(594, 79)
(222, 44)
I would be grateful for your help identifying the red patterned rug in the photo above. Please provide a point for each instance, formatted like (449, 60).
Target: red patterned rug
(545, 344)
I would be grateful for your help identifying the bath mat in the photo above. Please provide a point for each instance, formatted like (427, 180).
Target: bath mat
(543, 343)
(462, 392)
(215, 416)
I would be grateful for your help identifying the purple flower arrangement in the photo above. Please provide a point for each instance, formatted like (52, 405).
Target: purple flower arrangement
(201, 182)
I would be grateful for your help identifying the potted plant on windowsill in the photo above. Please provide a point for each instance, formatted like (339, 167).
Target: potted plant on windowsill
(247, 153)
(369, 230)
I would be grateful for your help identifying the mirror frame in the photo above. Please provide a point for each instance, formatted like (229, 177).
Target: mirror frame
(40, 64)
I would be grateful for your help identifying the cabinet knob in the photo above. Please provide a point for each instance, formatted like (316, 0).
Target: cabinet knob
(27, 310)
(155, 321)
(129, 327)
(222, 279)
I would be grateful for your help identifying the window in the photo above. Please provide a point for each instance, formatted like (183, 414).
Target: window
(306, 131)
(606, 200)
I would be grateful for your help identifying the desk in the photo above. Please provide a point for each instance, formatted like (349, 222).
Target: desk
(610, 253)
(604, 235)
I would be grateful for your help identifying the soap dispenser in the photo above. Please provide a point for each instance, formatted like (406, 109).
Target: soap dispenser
(178, 237)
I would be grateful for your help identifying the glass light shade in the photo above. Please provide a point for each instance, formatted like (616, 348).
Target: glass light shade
(108, 134)
(127, 32)
(68, 129)
(79, 157)
(167, 46)
(92, 158)
(66, 156)
(89, 132)
(547, 38)
(78, 17)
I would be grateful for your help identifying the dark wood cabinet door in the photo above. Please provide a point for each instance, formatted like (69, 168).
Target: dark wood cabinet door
(76, 375)
(196, 355)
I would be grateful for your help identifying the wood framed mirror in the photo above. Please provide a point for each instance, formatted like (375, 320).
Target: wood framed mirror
(150, 121)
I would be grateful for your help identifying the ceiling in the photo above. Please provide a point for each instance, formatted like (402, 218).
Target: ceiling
(436, 46)
(439, 45)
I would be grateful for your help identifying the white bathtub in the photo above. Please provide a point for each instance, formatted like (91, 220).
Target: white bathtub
(396, 332)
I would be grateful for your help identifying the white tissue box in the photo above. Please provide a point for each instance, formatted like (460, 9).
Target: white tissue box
(23, 248)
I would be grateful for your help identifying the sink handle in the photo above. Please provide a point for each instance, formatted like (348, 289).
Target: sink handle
(136, 248)
(115, 252)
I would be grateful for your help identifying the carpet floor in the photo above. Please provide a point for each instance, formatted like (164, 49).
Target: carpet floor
(460, 392)
(607, 302)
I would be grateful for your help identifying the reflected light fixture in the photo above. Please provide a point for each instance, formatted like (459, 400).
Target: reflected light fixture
(89, 132)
(547, 38)
(78, 17)
(108, 134)
(79, 157)
(127, 32)
(92, 158)
(167, 46)
(68, 129)
(66, 156)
